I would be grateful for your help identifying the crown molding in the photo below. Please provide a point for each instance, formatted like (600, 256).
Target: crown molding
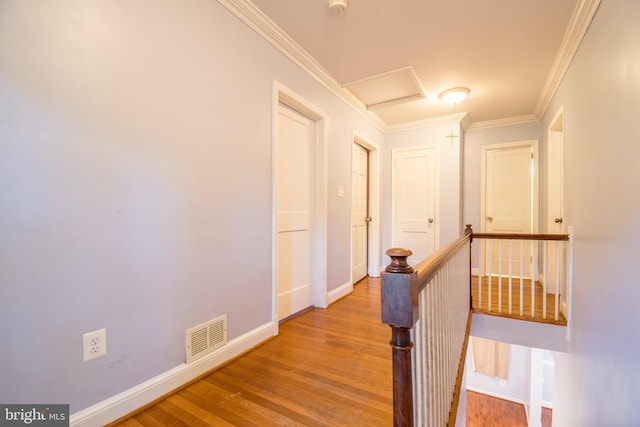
(578, 25)
(508, 121)
(461, 118)
(248, 13)
(582, 16)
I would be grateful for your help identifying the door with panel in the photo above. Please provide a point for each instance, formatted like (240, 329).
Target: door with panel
(359, 212)
(294, 211)
(509, 189)
(555, 202)
(414, 201)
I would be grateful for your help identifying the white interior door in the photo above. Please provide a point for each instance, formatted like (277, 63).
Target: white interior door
(294, 218)
(415, 201)
(555, 201)
(509, 189)
(359, 212)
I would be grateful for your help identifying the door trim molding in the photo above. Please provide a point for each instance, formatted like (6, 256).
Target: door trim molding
(284, 95)
(535, 208)
(536, 178)
(555, 147)
(394, 153)
(373, 230)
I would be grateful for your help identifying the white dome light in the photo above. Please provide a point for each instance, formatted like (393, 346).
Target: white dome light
(455, 95)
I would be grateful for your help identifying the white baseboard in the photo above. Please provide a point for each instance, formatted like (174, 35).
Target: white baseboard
(129, 400)
(498, 395)
(340, 292)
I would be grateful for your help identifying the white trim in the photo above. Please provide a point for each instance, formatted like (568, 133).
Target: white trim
(497, 395)
(341, 292)
(436, 208)
(581, 18)
(459, 118)
(134, 398)
(571, 232)
(534, 144)
(373, 230)
(255, 19)
(508, 121)
(282, 94)
(248, 13)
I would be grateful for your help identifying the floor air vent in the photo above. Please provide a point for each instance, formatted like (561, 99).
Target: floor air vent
(204, 338)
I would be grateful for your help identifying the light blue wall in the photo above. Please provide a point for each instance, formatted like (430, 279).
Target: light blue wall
(135, 174)
(598, 381)
(449, 213)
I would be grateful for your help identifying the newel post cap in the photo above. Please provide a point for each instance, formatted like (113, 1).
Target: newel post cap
(399, 262)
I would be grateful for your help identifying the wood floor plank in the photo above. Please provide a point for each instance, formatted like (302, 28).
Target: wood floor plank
(327, 367)
(489, 411)
(500, 306)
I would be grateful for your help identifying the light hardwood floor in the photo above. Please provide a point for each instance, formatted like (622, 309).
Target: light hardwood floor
(489, 411)
(328, 367)
(500, 306)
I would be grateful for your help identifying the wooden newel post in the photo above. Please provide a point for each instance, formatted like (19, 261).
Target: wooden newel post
(400, 311)
(468, 229)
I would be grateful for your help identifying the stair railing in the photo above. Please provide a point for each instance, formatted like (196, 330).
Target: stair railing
(429, 310)
(531, 271)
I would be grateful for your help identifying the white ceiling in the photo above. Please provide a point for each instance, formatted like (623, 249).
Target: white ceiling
(507, 52)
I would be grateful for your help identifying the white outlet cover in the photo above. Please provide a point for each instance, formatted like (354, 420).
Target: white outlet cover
(94, 344)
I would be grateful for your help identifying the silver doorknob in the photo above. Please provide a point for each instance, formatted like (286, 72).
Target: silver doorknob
(490, 219)
(368, 219)
(430, 220)
(558, 220)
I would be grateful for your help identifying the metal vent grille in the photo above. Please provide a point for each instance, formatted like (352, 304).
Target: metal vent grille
(204, 338)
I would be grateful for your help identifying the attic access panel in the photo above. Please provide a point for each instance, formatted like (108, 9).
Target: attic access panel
(385, 89)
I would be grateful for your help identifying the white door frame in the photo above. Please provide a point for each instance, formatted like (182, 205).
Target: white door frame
(555, 202)
(555, 154)
(535, 205)
(282, 94)
(394, 153)
(536, 179)
(373, 230)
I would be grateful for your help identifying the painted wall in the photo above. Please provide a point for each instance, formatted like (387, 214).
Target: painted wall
(450, 179)
(598, 381)
(135, 173)
(515, 387)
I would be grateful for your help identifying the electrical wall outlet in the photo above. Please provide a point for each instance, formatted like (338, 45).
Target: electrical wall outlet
(94, 344)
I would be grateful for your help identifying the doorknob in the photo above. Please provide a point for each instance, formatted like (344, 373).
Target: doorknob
(490, 219)
(558, 220)
(368, 219)
(430, 220)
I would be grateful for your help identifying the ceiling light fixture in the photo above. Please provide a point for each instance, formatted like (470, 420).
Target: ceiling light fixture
(455, 95)
(337, 6)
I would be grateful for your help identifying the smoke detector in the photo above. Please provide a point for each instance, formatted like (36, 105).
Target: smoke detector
(338, 6)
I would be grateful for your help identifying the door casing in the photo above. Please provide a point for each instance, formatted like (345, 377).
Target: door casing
(535, 190)
(433, 227)
(318, 268)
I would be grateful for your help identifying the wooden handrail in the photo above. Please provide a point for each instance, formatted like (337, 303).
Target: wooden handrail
(404, 289)
(521, 236)
(429, 267)
(401, 285)
(515, 236)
